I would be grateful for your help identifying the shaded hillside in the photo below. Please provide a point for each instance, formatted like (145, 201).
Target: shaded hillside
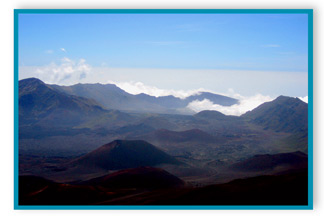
(193, 143)
(34, 190)
(293, 160)
(284, 114)
(41, 104)
(45, 192)
(297, 141)
(193, 135)
(159, 122)
(290, 189)
(134, 129)
(285, 189)
(31, 184)
(122, 154)
(142, 177)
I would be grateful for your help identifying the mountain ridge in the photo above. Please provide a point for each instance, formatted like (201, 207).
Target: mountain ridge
(113, 97)
(285, 114)
(39, 102)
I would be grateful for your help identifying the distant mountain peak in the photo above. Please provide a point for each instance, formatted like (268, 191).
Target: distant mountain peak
(31, 82)
(42, 104)
(208, 114)
(32, 79)
(287, 114)
(283, 98)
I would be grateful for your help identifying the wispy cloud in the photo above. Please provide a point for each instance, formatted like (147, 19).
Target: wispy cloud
(271, 45)
(49, 51)
(245, 104)
(66, 72)
(63, 49)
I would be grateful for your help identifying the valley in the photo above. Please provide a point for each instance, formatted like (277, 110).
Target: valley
(102, 141)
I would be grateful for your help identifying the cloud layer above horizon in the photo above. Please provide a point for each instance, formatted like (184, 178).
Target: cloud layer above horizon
(245, 104)
(179, 83)
(69, 71)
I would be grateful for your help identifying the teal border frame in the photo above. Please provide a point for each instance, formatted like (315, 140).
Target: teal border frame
(309, 12)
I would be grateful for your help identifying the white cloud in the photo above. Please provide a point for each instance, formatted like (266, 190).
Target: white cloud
(245, 104)
(63, 49)
(139, 87)
(305, 99)
(67, 72)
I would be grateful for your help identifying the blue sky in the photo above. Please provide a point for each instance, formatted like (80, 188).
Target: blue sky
(270, 42)
(252, 57)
